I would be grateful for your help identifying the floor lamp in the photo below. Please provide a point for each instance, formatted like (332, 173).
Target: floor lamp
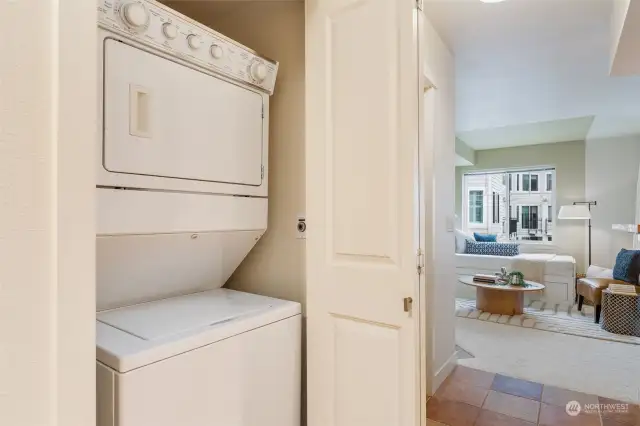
(579, 210)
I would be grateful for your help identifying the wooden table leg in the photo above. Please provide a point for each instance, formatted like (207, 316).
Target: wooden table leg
(502, 302)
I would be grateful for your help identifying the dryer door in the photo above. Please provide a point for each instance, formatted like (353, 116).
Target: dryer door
(165, 119)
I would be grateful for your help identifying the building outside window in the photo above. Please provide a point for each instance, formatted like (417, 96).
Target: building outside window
(476, 206)
(534, 183)
(529, 218)
(520, 203)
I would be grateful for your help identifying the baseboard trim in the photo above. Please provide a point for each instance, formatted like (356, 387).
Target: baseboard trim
(444, 372)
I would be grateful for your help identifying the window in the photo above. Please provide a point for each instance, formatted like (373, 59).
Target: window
(534, 183)
(476, 206)
(513, 203)
(529, 219)
(549, 182)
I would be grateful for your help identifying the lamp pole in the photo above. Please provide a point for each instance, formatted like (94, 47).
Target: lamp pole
(588, 204)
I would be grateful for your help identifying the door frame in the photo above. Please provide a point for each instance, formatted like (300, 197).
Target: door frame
(427, 282)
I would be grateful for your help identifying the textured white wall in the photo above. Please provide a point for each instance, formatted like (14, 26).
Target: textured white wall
(47, 238)
(440, 67)
(611, 179)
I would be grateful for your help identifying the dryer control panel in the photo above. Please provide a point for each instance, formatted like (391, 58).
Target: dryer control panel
(154, 24)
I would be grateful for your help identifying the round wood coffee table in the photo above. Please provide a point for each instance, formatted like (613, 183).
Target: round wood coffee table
(500, 299)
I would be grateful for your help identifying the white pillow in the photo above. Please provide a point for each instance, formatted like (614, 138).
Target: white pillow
(461, 240)
(599, 272)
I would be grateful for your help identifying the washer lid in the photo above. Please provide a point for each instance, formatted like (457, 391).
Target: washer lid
(134, 336)
(179, 315)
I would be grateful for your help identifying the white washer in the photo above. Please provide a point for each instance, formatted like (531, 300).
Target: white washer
(219, 357)
(182, 198)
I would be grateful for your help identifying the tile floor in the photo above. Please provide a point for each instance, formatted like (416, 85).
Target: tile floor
(477, 398)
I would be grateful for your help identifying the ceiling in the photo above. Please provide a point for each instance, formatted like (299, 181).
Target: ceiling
(535, 71)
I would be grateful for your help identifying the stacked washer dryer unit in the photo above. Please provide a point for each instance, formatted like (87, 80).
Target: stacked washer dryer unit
(182, 198)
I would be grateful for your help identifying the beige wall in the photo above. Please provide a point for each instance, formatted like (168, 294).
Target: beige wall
(612, 167)
(47, 236)
(275, 267)
(569, 160)
(440, 122)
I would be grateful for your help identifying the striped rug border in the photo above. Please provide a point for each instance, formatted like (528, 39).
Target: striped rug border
(560, 318)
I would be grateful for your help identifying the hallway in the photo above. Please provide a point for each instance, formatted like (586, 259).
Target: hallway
(472, 397)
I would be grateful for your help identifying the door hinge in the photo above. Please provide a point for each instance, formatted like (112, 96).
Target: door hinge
(419, 261)
(261, 172)
(419, 4)
(263, 111)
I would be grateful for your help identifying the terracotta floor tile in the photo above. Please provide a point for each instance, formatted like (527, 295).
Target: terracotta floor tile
(514, 406)
(456, 390)
(618, 413)
(472, 377)
(490, 418)
(517, 387)
(434, 423)
(452, 413)
(560, 397)
(551, 415)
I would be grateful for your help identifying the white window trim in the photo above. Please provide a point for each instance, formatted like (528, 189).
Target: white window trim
(539, 206)
(538, 177)
(542, 171)
(484, 205)
(521, 178)
(546, 188)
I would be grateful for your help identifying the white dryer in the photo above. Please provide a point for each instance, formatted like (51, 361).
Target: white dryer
(181, 199)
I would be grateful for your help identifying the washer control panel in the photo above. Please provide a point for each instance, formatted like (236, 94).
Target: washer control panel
(151, 23)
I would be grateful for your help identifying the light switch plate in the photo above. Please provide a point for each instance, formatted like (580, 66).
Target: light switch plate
(301, 226)
(451, 223)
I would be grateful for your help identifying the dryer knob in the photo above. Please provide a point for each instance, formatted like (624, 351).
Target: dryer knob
(216, 51)
(258, 71)
(170, 31)
(135, 15)
(194, 41)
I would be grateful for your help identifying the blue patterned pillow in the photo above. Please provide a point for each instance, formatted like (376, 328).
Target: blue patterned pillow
(627, 266)
(488, 238)
(494, 249)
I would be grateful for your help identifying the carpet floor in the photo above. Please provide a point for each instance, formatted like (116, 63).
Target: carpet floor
(594, 366)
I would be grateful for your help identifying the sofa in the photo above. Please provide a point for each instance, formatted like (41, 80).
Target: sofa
(556, 272)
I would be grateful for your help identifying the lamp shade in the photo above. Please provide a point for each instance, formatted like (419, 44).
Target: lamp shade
(574, 212)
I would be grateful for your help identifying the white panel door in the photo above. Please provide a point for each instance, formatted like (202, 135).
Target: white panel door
(363, 99)
(165, 119)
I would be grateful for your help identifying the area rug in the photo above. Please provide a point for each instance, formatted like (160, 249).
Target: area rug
(562, 318)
